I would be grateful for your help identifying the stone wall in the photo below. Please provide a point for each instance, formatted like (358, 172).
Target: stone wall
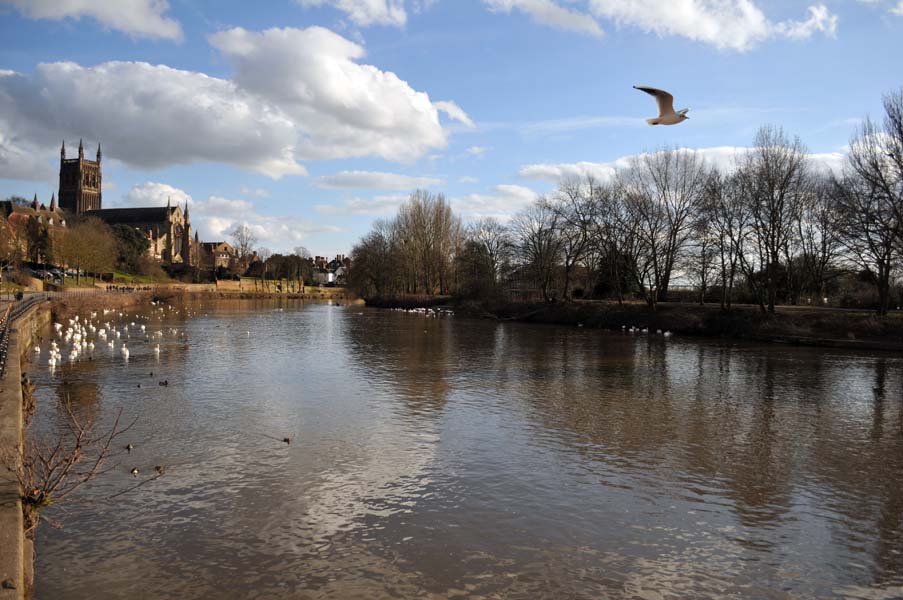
(16, 552)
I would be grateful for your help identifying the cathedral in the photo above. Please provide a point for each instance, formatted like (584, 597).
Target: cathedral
(168, 228)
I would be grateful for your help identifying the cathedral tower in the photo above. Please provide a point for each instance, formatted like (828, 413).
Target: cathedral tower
(80, 181)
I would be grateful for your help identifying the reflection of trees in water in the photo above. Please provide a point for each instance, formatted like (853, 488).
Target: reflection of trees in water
(756, 423)
(408, 354)
(81, 389)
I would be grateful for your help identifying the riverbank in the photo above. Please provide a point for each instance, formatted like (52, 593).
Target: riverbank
(790, 325)
(17, 556)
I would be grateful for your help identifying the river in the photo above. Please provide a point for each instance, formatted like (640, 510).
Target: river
(435, 457)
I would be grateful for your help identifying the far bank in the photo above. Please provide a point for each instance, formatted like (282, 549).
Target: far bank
(835, 328)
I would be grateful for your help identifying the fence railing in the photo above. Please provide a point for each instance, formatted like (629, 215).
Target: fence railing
(9, 316)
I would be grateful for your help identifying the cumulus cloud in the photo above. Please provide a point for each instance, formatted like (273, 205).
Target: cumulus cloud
(502, 203)
(147, 116)
(898, 10)
(549, 13)
(725, 158)
(138, 18)
(297, 94)
(477, 150)
(367, 12)
(727, 24)
(468, 179)
(379, 206)
(216, 216)
(346, 109)
(375, 180)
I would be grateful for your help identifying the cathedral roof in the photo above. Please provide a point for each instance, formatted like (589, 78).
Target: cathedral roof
(150, 214)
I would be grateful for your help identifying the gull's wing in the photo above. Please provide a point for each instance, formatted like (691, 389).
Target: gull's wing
(664, 99)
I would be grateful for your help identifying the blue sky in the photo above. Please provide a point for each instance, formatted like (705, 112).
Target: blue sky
(308, 119)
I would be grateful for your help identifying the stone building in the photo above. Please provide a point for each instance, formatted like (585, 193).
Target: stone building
(80, 181)
(215, 255)
(168, 229)
(32, 226)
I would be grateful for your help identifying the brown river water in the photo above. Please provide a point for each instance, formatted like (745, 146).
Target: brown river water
(453, 458)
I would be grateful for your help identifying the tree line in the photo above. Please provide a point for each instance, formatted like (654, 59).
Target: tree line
(773, 228)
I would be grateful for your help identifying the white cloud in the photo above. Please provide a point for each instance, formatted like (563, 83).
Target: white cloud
(467, 179)
(346, 109)
(898, 10)
(725, 158)
(214, 217)
(727, 24)
(146, 116)
(375, 180)
(454, 112)
(477, 150)
(138, 18)
(379, 206)
(367, 12)
(256, 192)
(820, 20)
(503, 203)
(549, 13)
(296, 94)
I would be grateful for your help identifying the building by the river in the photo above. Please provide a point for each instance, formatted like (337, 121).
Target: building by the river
(168, 228)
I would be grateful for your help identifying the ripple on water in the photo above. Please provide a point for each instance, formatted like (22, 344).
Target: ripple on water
(434, 458)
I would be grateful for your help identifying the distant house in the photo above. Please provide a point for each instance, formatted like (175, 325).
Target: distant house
(331, 271)
(19, 216)
(217, 255)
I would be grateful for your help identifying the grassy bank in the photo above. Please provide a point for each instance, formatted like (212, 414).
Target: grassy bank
(791, 325)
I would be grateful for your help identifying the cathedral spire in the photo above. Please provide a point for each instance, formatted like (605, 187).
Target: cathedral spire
(168, 202)
(186, 211)
(52, 202)
(34, 203)
(99, 155)
(81, 149)
(63, 151)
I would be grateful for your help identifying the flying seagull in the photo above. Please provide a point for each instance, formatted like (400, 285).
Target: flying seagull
(666, 114)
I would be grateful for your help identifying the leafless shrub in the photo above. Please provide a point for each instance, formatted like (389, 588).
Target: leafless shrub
(49, 471)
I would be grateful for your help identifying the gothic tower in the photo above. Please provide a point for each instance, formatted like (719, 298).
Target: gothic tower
(186, 238)
(80, 181)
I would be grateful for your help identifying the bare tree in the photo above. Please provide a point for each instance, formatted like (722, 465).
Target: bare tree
(664, 190)
(244, 240)
(575, 207)
(775, 180)
(537, 231)
(495, 239)
(729, 217)
(820, 235)
(90, 246)
(50, 471)
(870, 229)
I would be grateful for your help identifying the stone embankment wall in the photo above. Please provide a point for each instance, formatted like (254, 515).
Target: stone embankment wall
(16, 552)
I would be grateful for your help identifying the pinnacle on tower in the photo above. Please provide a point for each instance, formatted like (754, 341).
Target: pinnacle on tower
(34, 203)
(186, 210)
(81, 149)
(63, 150)
(168, 202)
(99, 154)
(52, 202)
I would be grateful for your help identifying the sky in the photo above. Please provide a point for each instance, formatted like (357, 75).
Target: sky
(309, 119)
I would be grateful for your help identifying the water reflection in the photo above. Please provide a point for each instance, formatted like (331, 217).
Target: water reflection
(443, 457)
